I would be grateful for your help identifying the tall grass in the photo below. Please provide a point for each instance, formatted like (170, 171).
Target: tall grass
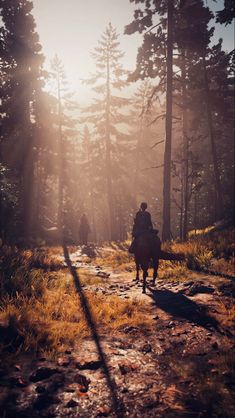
(209, 249)
(41, 310)
(212, 250)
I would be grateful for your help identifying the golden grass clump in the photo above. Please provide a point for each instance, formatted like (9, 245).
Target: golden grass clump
(57, 320)
(172, 270)
(46, 258)
(221, 243)
(215, 251)
(49, 258)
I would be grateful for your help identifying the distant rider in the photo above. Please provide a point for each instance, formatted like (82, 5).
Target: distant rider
(84, 229)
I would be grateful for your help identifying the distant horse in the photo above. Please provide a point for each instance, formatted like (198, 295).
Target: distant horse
(147, 250)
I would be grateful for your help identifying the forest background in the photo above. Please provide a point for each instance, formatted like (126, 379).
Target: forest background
(162, 132)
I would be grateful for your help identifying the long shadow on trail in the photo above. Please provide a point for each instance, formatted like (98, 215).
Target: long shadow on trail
(179, 306)
(116, 402)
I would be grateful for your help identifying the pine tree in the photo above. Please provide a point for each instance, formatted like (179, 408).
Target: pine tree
(192, 36)
(155, 60)
(227, 14)
(66, 131)
(89, 172)
(188, 38)
(145, 145)
(22, 62)
(104, 113)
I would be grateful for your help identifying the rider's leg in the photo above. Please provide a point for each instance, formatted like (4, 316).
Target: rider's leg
(132, 246)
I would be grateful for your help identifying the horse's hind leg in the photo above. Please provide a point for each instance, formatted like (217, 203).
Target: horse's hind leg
(155, 270)
(145, 275)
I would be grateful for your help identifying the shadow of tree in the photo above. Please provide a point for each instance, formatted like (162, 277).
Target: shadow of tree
(117, 404)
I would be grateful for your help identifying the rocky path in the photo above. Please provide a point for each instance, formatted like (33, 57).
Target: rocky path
(179, 366)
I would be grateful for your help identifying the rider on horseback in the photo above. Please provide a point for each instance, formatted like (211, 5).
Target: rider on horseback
(142, 224)
(142, 221)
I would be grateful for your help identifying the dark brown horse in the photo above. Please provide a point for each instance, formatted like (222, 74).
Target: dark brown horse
(147, 250)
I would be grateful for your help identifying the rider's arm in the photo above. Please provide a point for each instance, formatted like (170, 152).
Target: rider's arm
(150, 221)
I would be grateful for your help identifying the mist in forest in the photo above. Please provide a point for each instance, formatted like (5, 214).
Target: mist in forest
(154, 126)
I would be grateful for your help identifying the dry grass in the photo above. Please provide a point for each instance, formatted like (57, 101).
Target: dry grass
(118, 259)
(57, 320)
(172, 270)
(224, 266)
(207, 249)
(41, 310)
(62, 278)
(211, 250)
(46, 258)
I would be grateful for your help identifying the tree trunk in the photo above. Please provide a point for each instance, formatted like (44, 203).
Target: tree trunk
(195, 212)
(181, 211)
(166, 228)
(108, 156)
(185, 149)
(60, 162)
(1, 202)
(27, 183)
(213, 144)
(91, 187)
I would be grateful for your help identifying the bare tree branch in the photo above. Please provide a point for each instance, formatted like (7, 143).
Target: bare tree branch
(162, 115)
(149, 168)
(153, 27)
(157, 143)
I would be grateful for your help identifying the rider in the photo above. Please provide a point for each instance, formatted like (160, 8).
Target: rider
(84, 229)
(142, 224)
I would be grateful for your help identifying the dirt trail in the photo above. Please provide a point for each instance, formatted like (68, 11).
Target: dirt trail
(179, 366)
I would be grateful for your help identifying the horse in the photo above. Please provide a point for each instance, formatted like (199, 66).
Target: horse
(147, 249)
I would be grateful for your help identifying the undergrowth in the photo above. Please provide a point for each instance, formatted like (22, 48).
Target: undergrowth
(213, 250)
(41, 311)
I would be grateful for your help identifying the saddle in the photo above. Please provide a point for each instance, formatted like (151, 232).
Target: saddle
(153, 234)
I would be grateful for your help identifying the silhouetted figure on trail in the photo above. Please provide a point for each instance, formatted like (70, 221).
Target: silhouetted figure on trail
(146, 245)
(84, 229)
(142, 221)
(142, 224)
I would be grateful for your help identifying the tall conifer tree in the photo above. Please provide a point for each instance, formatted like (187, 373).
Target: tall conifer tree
(20, 53)
(104, 113)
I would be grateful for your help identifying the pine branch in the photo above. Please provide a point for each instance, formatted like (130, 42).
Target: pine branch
(150, 168)
(162, 115)
(176, 203)
(157, 143)
(153, 27)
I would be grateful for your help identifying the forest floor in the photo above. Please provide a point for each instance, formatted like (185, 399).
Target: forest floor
(166, 353)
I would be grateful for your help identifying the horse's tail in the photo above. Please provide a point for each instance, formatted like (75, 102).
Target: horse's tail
(171, 256)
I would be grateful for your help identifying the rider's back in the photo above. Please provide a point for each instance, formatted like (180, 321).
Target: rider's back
(143, 221)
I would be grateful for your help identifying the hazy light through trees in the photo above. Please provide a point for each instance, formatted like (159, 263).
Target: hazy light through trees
(105, 120)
